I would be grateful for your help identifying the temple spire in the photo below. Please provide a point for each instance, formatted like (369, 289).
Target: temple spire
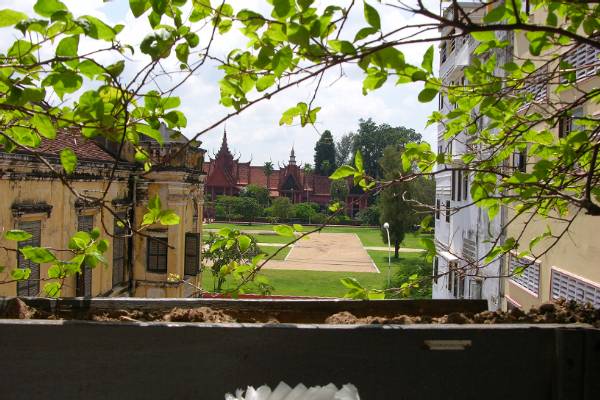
(292, 157)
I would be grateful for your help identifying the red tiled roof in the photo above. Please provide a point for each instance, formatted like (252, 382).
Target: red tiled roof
(83, 148)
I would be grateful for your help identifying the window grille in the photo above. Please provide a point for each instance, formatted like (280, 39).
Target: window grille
(459, 178)
(85, 223)
(530, 278)
(465, 185)
(520, 161)
(475, 289)
(571, 288)
(192, 254)
(120, 252)
(436, 266)
(584, 59)
(438, 205)
(157, 254)
(31, 286)
(453, 190)
(447, 210)
(537, 85)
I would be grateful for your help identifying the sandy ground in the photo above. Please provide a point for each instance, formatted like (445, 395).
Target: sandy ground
(338, 252)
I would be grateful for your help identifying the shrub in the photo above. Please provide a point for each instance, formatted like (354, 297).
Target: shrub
(369, 215)
(304, 211)
(281, 208)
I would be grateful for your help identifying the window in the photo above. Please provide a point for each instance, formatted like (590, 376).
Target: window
(436, 266)
(85, 223)
(447, 210)
(459, 178)
(584, 60)
(530, 276)
(192, 254)
(440, 101)
(520, 161)
(475, 289)
(465, 185)
(453, 189)
(120, 251)
(438, 205)
(157, 254)
(570, 287)
(568, 124)
(443, 52)
(30, 287)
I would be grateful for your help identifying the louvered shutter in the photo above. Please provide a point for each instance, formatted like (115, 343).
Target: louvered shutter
(530, 278)
(192, 253)
(119, 252)
(571, 288)
(85, 223)
(30, 287)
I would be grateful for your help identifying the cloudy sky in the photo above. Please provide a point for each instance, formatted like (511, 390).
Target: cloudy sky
(256, 133)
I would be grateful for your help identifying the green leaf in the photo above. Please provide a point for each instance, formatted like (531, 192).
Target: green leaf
(484, 36)
(154, 204)
(298, 34)
(427, 63)
(46, 8)
(284, 230)
(20, 274)
(37, 255)
(17, 235)
(265, 82)
(150, 132)
(351, 283)
(168, 217)
(342, 172)
(244, 242)
(192, 39)
(298, 227)
(10, 17)
(68, 160)
(89, 68)
(138, 7)
(44, 126)
(372, 16)
(358, 161)
(342, 46)
(376, 295)
(427, 95)
(282, 8)
(97, 29)
(80, 241)
(67, 47)
(497, 14)
(24, 136)
(364, 32)
(52, 289)
(182, 51)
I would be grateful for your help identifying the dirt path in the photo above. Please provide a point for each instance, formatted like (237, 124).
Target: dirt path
(339, 252)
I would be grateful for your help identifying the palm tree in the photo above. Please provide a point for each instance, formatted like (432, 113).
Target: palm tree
(268, 170)
(308, 169)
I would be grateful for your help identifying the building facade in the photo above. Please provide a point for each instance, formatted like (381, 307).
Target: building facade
(566, 270)
(35, 200)
(226, 175)
(461, 233)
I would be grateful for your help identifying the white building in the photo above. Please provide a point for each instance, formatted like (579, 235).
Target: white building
(463, 233)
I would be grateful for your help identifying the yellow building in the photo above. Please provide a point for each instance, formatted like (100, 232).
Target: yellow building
(571, 268)
(35, 200)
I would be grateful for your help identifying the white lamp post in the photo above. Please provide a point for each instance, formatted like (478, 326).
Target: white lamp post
(386, 226)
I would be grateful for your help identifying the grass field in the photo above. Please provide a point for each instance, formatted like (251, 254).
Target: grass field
(327, 284)
(368, 236)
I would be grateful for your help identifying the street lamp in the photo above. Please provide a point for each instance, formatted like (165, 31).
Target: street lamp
(386, 226)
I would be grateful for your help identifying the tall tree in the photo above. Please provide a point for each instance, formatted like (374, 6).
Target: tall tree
(371, 139)
(268, 170)
(325, 154)
(396, 201)
(343, 149)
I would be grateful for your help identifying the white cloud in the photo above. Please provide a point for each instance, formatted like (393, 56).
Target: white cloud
(256, 133)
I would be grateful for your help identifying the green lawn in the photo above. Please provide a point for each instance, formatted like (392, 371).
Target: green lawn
(368, 236)
(327, 284)
(268, 250)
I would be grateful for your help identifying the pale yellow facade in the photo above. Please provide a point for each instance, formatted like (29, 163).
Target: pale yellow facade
(30, 193)
(571, 268)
